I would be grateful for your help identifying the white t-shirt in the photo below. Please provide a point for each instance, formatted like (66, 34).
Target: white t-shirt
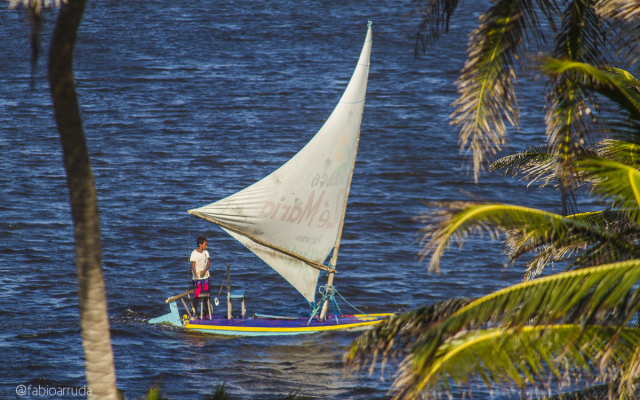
(201, 262)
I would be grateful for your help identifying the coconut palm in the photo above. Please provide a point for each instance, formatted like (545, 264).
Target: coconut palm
(557, 329)
(573, 328)
(508, 33)
(532, 335)
(572, 324)
(94, 321)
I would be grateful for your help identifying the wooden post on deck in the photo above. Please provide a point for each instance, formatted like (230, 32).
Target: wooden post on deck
(184, 303)
(229, 306)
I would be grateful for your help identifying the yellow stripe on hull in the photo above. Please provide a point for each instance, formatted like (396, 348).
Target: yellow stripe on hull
(271, 331)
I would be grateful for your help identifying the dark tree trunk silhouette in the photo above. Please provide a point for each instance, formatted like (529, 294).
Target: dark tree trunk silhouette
(94, 322)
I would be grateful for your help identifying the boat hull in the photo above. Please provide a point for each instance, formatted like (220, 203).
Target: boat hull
(252, 326)
(270, 325)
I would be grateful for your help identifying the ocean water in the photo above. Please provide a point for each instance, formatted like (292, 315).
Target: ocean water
(186, 103)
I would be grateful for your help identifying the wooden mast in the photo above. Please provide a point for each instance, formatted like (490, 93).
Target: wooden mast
(334, 256)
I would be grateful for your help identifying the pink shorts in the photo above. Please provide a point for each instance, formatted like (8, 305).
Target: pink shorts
(198, 287)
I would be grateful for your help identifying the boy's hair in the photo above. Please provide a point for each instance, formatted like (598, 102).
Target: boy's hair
(201, 239)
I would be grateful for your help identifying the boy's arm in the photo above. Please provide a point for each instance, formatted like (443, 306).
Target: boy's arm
(206, 268)
(193, 268)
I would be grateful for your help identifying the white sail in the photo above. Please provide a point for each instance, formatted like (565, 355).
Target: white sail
(290, 219)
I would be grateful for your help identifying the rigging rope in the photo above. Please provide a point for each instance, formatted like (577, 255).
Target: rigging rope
(329, 295)
(352, 306)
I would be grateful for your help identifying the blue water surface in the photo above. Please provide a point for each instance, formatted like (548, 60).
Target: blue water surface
(185, 103)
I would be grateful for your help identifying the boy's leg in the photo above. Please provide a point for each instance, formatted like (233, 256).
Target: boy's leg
(205, 284)
(196, 294)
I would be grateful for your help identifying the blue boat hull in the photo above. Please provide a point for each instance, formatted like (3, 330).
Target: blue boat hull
(269, 325)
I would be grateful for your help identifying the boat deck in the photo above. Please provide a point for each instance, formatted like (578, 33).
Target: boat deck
(272, 325)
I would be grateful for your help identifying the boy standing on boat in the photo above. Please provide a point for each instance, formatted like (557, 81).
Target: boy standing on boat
(200, 269)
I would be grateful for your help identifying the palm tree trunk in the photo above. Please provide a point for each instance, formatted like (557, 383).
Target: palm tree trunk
(94, 321)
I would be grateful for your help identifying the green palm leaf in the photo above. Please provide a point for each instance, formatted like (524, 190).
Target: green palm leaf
(568, 118)
(434, 20)
(605, 391)
(456, 220)
(609, 239)
(625, 15)
(616, 182)
(624, 152)
(616, 84)
(536, 163)
(609, 219)
(486, 83)
(582, 33)
(572, 296)
(392, 337)
(522, 359)
(587, 297)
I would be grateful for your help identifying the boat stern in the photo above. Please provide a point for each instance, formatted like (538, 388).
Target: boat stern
(173, 318)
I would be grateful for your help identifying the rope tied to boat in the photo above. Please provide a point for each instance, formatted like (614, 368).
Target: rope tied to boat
(330, 295)
(352, 306)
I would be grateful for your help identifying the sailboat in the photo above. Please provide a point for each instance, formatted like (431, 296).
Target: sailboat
(293, 219)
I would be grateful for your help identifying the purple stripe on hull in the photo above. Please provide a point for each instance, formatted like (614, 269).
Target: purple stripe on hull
(251, 322)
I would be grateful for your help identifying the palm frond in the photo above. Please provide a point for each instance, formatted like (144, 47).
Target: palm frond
(574, 296)
(548, 255)
(486, 83)
(454, 221)
(588, 294)
(568, 118)
(391, 338)
(582, 33)
(587, 251)
(611, 220)
(624, 152)
(624, 10)
(434, 20)
(587, 297)
(568, 114)
(523, 359)
(616, 84)
(625, 15)
(547, 250)
(536, 163)
(610, 244)
(605, 391)
(616, 182)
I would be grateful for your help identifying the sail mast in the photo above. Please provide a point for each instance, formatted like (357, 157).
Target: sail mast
(334, 256)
